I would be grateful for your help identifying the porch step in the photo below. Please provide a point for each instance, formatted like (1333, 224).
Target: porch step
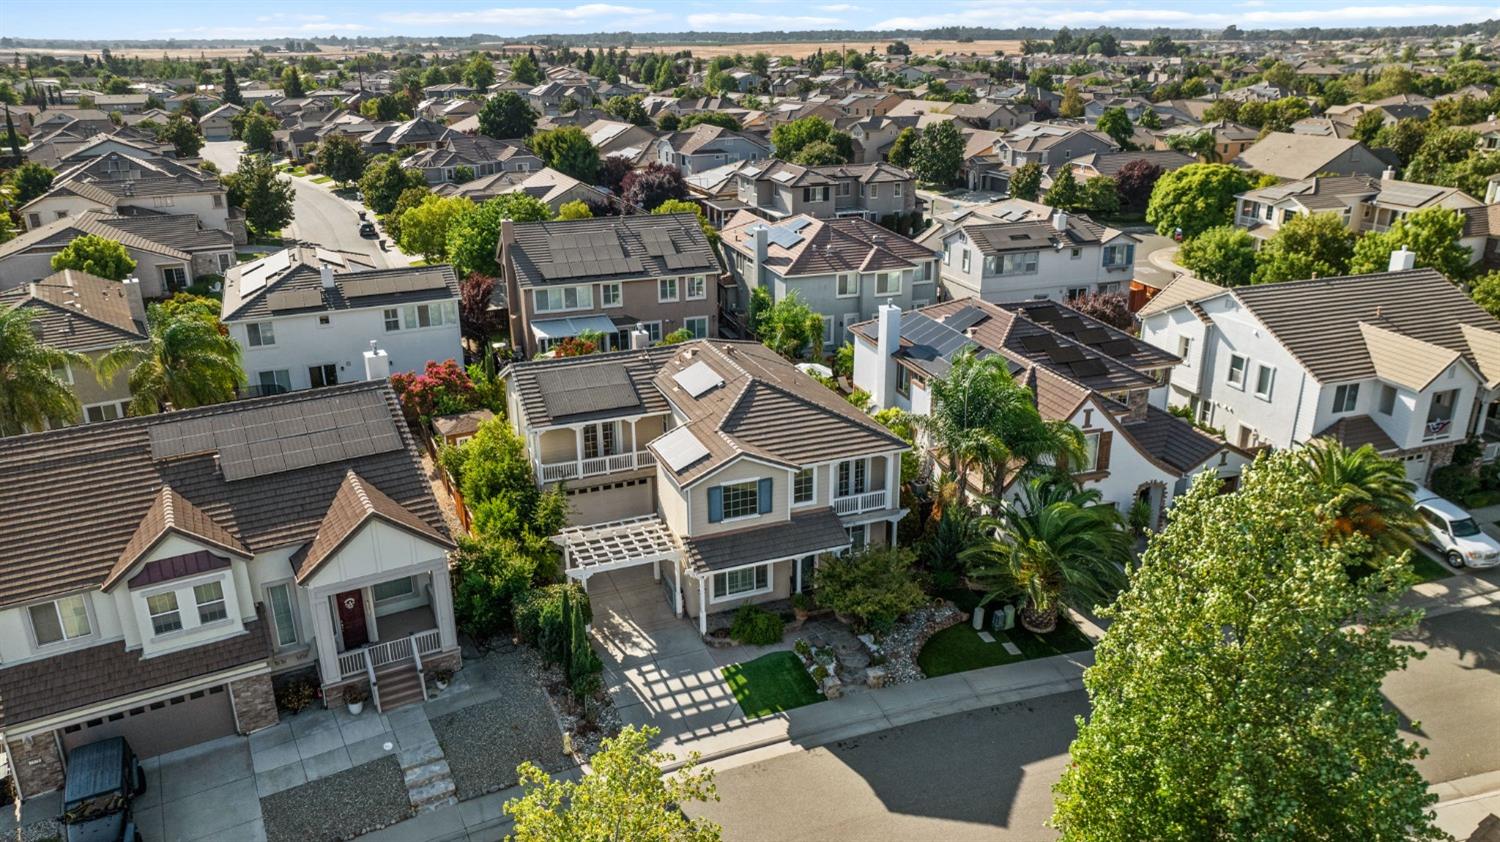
(400, 685)
(429, 781)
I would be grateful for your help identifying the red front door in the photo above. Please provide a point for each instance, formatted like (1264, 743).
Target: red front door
(351, 605)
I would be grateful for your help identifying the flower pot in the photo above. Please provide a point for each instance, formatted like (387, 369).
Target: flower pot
(1039, 622)
(441, 685)
(355, 708)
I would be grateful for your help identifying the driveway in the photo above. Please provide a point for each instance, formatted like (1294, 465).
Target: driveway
(658, 669)
(203, 792)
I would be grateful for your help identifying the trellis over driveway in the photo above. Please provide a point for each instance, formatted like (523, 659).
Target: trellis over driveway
(618, 544)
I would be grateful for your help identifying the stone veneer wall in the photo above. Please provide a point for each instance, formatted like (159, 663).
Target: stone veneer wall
(38, 767)
(254, 703)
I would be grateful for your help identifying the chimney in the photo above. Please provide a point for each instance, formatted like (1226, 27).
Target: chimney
(1388, 174)
(1403, 259)
(639, 338)
(887, 340)
(327, 272)
(507, 236)
(761, 239)
(131, 288)
(1060, 220)
(377, 362)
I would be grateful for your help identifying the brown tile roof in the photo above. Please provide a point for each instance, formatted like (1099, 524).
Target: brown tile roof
(1182, 289)
(74, 497)
(77, 311)
(356, 502)
(83, 677)
(1483, 221)
(54, 235)
(826, 245)
(804, 533)
(1355, 431)
(578, 250)
(1172, 440)
(171, 512)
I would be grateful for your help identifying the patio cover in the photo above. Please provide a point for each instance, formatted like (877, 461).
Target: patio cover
(617, 544)
(564, 328)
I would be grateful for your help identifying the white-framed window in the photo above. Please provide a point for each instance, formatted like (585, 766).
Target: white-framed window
(326, 374)
(1022, 263)
(283, 613)
(63, 372)
(666, 289)
(1345, 397)
(697, 326)
(874, 191)
(435, 314)
(1075, 253)
(609, 295)
(653, 330)
(853, 477)
(1091, 452)
(325, 320)
(903, 381)
(804, 486)
(1387, 399)
(164, 614)
(1238, 365)
(394, 589)
(888, 283)
(896, 189)
(210, 599)
(1077, 292)
(848, 285)
(697, 288)
(554, 299)
(746, 581)
(224, 260)
(827, 330)
(1265, 381)
(741, 499)
(1116, 256)
(1184, 348)
(924, 272)
(105, 411)
(175, 277)
(261, 333)
(845, 189)
(275, 381)
(392, 317)
(60, 620)
(964, 261)
(947, 254)
(601, 439)
(859, 537)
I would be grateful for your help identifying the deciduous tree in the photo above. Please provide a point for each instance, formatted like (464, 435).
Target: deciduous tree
(424, 228)
(1116, 123)
(384, 180)
(653, 184)
(569, 151)
(474, 235)
(938, 154)
(1306, 246)
(1431, 233)
(1026, 182)
(29, 181)
(506, 115)
(341, 158)
(1224, 255)
(1195, 198)
(95, 255)
(183, 134)
(789, 138)
(789, 327)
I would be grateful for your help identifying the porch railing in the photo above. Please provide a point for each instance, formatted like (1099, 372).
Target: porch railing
(354, 662)
(578, 468)
(856, 503)
(374, 685)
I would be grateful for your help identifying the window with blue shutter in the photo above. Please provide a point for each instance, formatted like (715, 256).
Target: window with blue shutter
(715, 504)
(764, 497)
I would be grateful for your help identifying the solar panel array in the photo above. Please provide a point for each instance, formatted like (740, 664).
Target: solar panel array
(680, 449)
(295, 299)
(932, 341)
(966, 318)
(574, 390)
(283, 437)
(355, 287)
(586, 253)
(658, 243)
(698, 378)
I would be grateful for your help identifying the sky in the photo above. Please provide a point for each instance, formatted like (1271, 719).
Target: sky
(152, 19)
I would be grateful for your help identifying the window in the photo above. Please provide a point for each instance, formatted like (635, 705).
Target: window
(210, 599)
(218, 200)
(283, 613)
(224, 262)
(666, 289)
(845, 188)
(1265, 380)
(1024, 263)
(105, 412)
(874, 191)
(924, 272)
(609, 295)
(1116, 256)
(697, 326)
(966, 260)
(697, 288)
(852, 477)
(1077, 292)
(325, 321)
(803, 486)
(63, 372)
(392, 318)
(394, 589)
(1238, 365)
(555, 299)
(164, 614)
(653, 330)
(261, 333)
(1075, 253)
(1091, 452)
(601, 439)
(1184, 347)
(60, 620)
(745, 581)
(741, 499)
(848, 285)
(175, 277)
(903, 381)
(1345, 397)
(323, 375)
(275, 382)
(437, 314)
(947, 254)
(888, 283)
(1387, 399)
(896, 190)
(858, 537)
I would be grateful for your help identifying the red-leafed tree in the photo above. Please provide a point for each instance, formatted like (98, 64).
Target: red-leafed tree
(1134, 182)
(1112, 308)
(574, 346)
(442, 389)
(648, 187)
(476, 320)
(612, 172)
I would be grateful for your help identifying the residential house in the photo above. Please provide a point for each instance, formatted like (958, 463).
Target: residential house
(309, 317)
(217, 125)
(419, 132)
(1298, 156)
(705, 147)
(1365, 204)
(1403, 361)
(1080, 371)
(1057, 258)
(607, 276)
(169, 250)
(1230, 138)
(1050, 145)
(873, 136)
(233, 545)
(841, 268)
(482, 155)
(89, 315)
(717, 463)
(779, 190)
(1110, 163)
(626, 140)
(119, 184)
(547, 185)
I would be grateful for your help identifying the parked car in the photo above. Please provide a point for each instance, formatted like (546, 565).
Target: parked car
(1454, 532)
(367, 230)
(102, 779)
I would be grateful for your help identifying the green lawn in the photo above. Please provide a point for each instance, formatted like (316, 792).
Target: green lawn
(321, 179)
(1426, 568)
(958, 648)
(771, 684)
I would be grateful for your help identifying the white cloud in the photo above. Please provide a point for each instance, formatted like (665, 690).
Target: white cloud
(840, 7)
(1011, 14)
(533, 18)
(723, 21)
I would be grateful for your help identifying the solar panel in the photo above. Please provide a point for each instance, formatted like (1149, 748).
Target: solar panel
(295, 299)
(355, 287)
(698, 378)
(965, 318)
(1040, 343)
(1064, 354)
(1092, 335)
(574, 390)
(680, 449)
(1118, 347)
(1088, 368)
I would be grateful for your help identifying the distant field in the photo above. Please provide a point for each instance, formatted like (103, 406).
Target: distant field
(801, 49)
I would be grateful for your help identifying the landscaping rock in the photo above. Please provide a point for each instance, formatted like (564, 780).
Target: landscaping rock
(341, 806)
(907, 638)
(875, 677)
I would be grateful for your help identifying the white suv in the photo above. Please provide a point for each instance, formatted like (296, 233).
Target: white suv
(1454, 532)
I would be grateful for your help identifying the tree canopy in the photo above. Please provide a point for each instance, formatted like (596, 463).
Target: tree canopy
(95, 255)
(506, 115)
(188, 360)
(424, 228)
(1224, 255)
(1431, 233)
(33, 389)
(1306, 246)
(1195, 198)
(341, 158)
(938, 154)
(474, 234)
(265, 198)
(789, 327)
(569, 151)
(790, 138)
(384, 180)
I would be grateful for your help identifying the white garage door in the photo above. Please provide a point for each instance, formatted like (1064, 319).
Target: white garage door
(604, 504)
(163, 726)
(1416, 467)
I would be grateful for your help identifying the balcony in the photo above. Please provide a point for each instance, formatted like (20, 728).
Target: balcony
(854, 504)
(582, 468)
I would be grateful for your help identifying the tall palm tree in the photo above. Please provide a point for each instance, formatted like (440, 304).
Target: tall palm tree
(1059, 545)
(32, 395)
(188, 360)
(1370, 494)
(981, 418)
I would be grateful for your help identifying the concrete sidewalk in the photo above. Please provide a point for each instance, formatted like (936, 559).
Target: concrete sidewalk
(1464, 589)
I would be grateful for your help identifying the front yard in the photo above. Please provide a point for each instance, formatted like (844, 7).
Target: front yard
(959, 648)
(771, 684)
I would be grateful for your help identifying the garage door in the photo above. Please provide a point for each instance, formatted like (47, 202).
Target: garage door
(606, 503)
(163, 726)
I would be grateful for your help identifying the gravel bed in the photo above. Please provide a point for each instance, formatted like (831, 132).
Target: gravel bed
(902, 644)
(586, 736)
(484, 743)
(43, 830)
(341, 806)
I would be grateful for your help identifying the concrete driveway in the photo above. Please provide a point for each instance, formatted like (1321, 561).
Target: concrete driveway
(658, 669)
(203, 792)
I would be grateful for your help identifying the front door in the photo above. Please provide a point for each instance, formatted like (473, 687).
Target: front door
(351, 605)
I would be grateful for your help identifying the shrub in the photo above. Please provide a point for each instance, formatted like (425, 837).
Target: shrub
(756, 626)
(1468, 452)
(874, 587)
(490, 575)
(356, 694)
(442, 388)
(296, 694)
(540, 622)
(1455, 482)
(803, 648)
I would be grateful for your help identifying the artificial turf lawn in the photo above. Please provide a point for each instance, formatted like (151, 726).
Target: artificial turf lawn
(958, 648)
(771, 684)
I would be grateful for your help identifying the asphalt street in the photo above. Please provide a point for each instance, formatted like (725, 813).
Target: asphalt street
(983, 776)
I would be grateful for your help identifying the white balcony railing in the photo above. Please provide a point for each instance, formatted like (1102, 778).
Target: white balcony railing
(578, 468)
(873, 501)
(354, 661)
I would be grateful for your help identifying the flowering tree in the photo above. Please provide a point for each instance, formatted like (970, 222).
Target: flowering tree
(442, 389)
(575, 346)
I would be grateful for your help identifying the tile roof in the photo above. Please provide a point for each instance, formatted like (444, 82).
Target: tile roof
(802, 534)
(355, 503)
(1180, 290)
(1172, 440)
(77, 311)
(170, 512)
(177, 567)
(1110, 163)
(55, 235)
(252, 290)
(543, 384)
(579, 250)
(75, 497)
(1295, 155)
(1355, 431)
(824, 246)
(1031, 235)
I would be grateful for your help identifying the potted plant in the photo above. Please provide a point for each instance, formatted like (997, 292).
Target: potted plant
(355, 696)
(801, 606)
(441, 677)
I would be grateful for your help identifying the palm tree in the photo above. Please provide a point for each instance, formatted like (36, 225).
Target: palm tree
(1059, 545)
(981, 418)
(188, 360)
(1201, 144)
(1369, 494)
(32, 395)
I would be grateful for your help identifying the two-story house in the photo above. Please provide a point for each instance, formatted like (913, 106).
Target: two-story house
(841, 268)
(1364, 203)
(705, 146)
(606, 276)
(79, 312)
(718, 463)
(1103, 381)
(1050, 145)
(483, 156)
(117, 183)
(1401, 360)
(1288, 155)
(289, 534)
(778, 190)
(309, 317)
(1060, 258)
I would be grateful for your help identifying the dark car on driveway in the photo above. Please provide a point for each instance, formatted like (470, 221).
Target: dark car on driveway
(102, 780)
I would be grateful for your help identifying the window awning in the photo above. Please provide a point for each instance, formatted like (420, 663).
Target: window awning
(564, 328)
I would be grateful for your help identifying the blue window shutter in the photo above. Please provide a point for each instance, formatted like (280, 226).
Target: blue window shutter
(763, 496)
(715, 504)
